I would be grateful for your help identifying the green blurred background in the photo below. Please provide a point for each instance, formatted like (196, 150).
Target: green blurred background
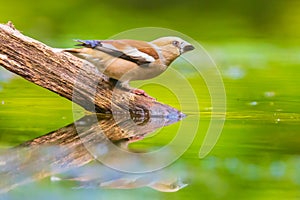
(255, 44)
(213, 21)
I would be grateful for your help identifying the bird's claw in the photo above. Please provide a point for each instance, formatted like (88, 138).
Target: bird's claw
(135, 138)
(142, 92)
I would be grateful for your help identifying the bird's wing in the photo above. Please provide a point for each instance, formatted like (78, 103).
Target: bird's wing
(139, 52)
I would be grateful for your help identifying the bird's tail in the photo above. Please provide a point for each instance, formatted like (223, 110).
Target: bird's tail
(83, 43)
(89, 43)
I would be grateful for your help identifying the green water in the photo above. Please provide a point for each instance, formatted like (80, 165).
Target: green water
(256, 157)
(255, 45)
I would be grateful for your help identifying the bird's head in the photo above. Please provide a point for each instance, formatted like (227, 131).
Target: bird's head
(172, 47)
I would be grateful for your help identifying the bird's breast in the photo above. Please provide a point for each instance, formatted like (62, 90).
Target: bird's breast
(127, 71)
(148, 72)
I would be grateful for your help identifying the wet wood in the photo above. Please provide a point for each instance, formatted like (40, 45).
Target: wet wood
(70, 77)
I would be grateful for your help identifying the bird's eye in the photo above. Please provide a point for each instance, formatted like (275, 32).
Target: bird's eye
(175, 43)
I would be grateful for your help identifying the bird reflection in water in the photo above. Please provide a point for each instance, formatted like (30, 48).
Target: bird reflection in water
(65, 154)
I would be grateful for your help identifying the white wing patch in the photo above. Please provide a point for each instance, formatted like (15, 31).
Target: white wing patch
(134, 52)
(131, 52)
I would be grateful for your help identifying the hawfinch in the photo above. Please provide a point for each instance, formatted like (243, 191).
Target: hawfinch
(127, 60)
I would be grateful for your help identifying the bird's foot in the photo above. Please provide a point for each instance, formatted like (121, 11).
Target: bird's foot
(125, 86)
(141, 92)
(135, 138)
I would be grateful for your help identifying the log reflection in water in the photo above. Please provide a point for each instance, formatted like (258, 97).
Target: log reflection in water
(64, 150)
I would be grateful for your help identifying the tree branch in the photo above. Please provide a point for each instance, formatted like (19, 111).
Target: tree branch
(70, 77)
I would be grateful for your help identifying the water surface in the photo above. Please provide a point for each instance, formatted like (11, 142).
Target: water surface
(256, 157)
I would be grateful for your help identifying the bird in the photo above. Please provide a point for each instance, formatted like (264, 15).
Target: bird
(128, 60)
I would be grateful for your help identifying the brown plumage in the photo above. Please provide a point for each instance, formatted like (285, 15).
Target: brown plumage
(127, 60)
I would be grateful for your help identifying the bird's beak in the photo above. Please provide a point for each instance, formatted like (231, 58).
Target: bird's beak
(186, 47)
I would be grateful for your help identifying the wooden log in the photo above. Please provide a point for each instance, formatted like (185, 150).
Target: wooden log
(71, 77)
